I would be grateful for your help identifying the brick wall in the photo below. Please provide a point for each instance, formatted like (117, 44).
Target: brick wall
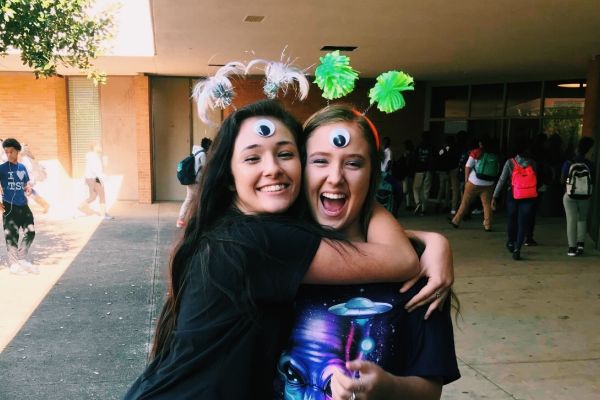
(63, 136)
(119, 140)
(34, 112)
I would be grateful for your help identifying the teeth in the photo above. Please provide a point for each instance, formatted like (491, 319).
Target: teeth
(272, 188)
(334, 196)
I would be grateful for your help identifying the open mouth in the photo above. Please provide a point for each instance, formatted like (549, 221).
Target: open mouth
(274, 188)
(333, 203)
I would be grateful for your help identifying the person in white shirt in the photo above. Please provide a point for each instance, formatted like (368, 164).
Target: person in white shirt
(386, 162)
(191, 190)
(94, 178)
(36, 174)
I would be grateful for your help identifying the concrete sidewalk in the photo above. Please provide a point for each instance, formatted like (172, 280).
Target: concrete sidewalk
(88, 338)
(528, 329)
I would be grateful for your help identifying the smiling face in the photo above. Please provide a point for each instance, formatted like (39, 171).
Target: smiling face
(265, 166)
(337, 178)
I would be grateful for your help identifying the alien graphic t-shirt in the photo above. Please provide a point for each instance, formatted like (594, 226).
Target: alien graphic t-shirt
(335, 324)
(13, 178)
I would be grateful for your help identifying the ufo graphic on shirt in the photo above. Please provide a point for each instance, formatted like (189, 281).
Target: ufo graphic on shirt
(359, 307)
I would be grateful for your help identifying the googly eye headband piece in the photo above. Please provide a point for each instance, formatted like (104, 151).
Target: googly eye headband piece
(334, 76)
(387, 92)
(216, 92)
(280, 75)
(264, 128)
(339, 138)
(371, 125)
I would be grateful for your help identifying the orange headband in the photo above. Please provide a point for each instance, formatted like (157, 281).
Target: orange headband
(371, 125)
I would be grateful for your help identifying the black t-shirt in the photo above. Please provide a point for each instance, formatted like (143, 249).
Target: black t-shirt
(447, 158)
(221, 348)
(424, 158)
(335, 324)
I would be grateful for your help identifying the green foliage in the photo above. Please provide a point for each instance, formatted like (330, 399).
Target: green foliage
(51, 33)
(387, 92)
(334, 76)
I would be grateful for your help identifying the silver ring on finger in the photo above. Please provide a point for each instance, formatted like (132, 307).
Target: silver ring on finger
(438, 294)
(353, 396)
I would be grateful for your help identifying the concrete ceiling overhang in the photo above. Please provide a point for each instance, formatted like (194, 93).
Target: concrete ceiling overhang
(434, 40)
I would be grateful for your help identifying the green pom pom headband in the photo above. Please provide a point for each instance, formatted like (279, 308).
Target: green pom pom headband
(336, 78)
(387, 92)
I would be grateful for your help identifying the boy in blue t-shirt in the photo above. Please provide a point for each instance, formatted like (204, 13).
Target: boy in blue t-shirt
(16, 215)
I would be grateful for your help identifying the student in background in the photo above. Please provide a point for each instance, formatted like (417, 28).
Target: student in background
(578, 176)
(37, 174)
(95, 179)
(481, 170)
(423, 173)
(199, 161)
(17, 216)
(518, 184)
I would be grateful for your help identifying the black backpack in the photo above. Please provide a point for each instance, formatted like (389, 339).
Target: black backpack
(186, 171)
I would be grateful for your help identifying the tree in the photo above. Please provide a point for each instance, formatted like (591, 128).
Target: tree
(52, 33)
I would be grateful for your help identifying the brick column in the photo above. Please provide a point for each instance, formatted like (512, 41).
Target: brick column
(63, 137)
(591, 128)
(144, 138)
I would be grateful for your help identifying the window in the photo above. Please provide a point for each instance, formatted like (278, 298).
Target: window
(84, 120)
(564, 98)
(487, 100)
(523, 99)
(449, 102)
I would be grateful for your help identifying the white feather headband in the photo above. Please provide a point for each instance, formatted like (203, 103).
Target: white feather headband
(216, 91)
(281, 75)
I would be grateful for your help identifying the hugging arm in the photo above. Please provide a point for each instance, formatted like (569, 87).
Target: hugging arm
(375, 384)
(347, 264)
(391, 259)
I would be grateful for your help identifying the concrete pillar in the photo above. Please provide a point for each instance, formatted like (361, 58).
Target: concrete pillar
(144, 139)
(591, 128)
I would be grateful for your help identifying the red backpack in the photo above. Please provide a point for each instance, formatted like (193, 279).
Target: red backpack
(524, 181)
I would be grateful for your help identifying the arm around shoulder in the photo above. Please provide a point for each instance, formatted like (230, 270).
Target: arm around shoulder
(354, 263)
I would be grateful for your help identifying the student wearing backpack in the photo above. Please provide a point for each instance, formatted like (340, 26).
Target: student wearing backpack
(481, 169)
(519, 181)
(199, 153)
(578, 176)
(423, 173)
(406, 172)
